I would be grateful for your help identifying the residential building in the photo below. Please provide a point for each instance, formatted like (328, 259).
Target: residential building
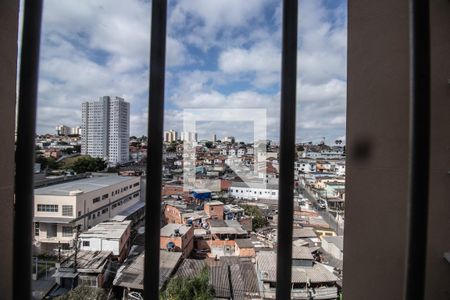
(63, 130)
(310, 280)
(108, 236)
(188, 136)
(60, 208)
(75, 130)
(229, 139)
(170, 136)
(106, 129)
(254, 190)
(89, 270)
(177, 238)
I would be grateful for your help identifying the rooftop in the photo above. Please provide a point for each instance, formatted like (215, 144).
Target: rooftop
(169, 229)
(266, 264)
(85, 185)
(131, 273)
(88, 261)
(214, 203)
(241, 273)
(125, 213)
(336, 240)
(110, 230)
(305, 232)
(255, 185)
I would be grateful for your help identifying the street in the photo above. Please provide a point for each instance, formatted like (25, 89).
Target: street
(327, 216)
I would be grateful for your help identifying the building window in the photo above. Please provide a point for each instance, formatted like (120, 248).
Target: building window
(36, 229)
(79, 213)
(86, 244)
(136, 184)
(95, 200)
(67, 210)
(67, 231)
(105, 196)
(47, 207)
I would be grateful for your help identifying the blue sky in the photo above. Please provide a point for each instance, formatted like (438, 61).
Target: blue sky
(220, 54)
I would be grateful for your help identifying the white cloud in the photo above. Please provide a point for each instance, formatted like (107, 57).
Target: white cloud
(95, 48)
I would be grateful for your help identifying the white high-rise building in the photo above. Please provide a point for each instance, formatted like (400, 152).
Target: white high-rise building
(75, 130)
(62, 130)
(106, 129)
(170, 136)
(189, 136)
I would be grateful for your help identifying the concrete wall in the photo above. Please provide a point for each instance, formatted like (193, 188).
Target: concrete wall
(438, 270)
(9, 13)
(377, 141)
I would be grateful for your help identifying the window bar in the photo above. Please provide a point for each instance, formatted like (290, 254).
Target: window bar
(24, 155)
(154, 157)
(419, 148)
(287, 148)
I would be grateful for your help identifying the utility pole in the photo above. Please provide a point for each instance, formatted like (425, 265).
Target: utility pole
(59, 252)
(78, 227)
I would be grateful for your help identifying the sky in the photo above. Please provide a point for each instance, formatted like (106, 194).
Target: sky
(221, 54)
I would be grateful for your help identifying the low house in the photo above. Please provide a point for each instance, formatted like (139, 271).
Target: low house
(214, 209)
(108, 236)
(130, 276)
(177, 238)
(310, 280)
(90, 269)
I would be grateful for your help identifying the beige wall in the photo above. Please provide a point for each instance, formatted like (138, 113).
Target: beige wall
(9, 11)
(377, 140)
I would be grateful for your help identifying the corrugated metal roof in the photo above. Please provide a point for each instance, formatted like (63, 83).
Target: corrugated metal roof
(131, 273)
(244, 281)
(266, 265)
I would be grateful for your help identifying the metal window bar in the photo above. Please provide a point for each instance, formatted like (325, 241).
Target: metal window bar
(419, 146)
(24, 155)
(154, 161)
(287, 148)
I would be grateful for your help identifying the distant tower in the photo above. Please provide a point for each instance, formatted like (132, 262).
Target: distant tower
(105, 129)
(170, 136)
(62, 130)
(214, 138)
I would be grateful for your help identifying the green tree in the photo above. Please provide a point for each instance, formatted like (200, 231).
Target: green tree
(195, 288)
(258, 219)
(53, 164)
(89, 164)
(82, 292)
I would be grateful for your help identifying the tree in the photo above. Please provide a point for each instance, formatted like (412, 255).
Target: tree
(53, 164)
(82, 292)
(208, 144)
(89, 164)
(49, 163)
(196, 288)
(258, 220)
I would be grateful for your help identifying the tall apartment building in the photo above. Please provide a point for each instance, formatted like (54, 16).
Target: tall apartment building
(189, 136)
(105, 129)
(75, 130)
(170, 136)
(63, 130)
